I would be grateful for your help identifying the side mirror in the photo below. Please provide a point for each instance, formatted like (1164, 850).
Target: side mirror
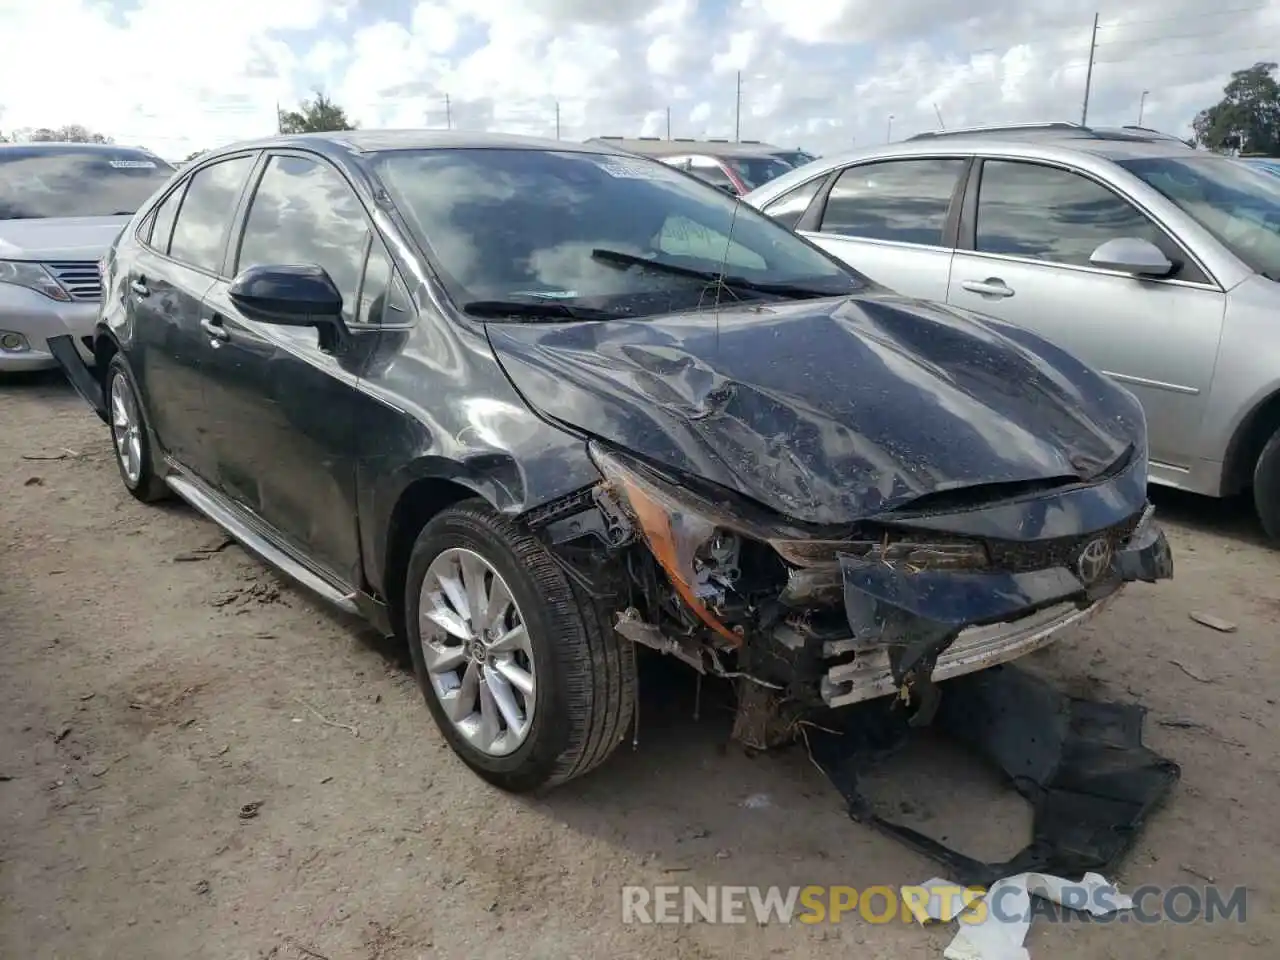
(290, 295)
(1142, 258)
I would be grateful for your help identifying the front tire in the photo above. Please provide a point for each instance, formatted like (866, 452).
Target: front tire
(1266, 487)
(131, 435)
(524, 678)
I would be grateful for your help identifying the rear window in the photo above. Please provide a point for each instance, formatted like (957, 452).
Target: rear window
(38, 182)
(757, 171)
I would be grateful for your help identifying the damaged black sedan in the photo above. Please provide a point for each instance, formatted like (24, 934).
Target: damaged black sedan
(529, 404)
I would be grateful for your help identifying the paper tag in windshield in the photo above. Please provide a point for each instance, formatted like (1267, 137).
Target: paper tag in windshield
(133, 164)
(633, 169)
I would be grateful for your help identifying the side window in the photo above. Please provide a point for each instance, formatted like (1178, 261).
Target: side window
(681, 237)
(204, 218)
(708, 169)
(304, 212)
(162, 220)
(790, 207)
(373, 288)
(1043, 213)
(901, 200)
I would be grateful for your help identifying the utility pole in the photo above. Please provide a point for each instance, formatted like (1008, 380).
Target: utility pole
(737, 111)
(557, 119)
(1088, 77)
(279, 119)
(448, 113)
(1142, 105)
(668, 123)
(888, 130)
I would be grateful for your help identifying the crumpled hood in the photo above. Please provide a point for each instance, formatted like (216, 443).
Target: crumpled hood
(63, 238)
(827, 411)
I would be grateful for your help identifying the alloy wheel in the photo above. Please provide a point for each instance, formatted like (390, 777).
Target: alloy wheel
(126, 429)
(476, 651)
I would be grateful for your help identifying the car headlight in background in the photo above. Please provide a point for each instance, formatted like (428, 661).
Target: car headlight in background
(32, 276)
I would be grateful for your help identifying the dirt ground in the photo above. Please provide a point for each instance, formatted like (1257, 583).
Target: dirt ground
(152, 685)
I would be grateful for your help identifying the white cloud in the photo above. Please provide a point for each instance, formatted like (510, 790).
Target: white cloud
(179, 75)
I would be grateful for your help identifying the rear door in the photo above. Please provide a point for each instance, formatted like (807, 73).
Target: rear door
(180, 252)
(1027, 234)
(892, 220)
(284, 442)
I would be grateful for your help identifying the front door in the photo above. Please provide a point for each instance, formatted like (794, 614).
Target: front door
(284, 403)
(889, 220)
(1027, 262)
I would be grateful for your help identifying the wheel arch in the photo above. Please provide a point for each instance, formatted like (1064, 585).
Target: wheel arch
(1250, 436)
(420, 501)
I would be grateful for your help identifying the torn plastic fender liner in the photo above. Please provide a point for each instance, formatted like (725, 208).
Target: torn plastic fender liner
(1081, 764)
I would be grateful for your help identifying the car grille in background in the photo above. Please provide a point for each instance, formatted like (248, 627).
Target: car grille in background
(79, 277)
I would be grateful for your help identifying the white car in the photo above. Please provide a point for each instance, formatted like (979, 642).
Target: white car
(61, 205)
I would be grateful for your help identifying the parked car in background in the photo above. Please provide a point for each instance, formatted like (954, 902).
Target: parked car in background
(736, 167)
(61, 205)
(521, 403)
(1156, 263)
(1269, 165)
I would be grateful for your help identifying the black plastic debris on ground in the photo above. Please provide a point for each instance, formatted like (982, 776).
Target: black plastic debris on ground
(1081, 764)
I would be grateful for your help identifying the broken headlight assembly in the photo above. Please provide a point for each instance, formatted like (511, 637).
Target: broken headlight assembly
(721, 557)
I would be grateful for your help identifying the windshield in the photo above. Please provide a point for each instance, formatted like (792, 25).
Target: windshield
(39, 182)
(757, 171)
(579, 228)
(1238, 204)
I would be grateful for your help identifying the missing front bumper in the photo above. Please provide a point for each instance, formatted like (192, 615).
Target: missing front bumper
(910, 629)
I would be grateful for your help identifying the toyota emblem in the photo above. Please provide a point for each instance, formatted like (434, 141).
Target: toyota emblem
(1094, 561)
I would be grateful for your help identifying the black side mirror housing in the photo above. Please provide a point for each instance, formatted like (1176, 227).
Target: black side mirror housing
(291, 295)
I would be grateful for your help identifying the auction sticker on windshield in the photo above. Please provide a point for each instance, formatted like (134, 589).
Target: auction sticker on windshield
(633, 169)
(133, 164)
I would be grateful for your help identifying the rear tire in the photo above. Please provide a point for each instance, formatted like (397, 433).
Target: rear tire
(1266, 487)
(581, 672)
(131, 434)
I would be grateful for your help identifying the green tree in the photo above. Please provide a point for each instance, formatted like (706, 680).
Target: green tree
(71, 133)
(1248, 115)
(314, 116)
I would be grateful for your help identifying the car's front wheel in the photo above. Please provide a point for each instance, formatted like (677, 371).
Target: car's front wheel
(130, 435)
(527, 682)
(1266, 487)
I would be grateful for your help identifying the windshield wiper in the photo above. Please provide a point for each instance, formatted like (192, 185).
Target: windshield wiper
(622, 259)
(535, 310)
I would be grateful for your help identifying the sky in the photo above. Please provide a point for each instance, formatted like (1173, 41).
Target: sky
(183, 75)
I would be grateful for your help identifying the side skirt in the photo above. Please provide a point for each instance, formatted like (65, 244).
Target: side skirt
(256, 537)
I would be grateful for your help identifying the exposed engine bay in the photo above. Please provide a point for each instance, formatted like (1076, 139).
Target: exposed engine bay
(809, 618)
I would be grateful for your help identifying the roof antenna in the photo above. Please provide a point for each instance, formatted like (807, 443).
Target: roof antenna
(939, 115)
(724, 263)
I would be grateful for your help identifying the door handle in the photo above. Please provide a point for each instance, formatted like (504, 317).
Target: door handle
(140, 288)
(216, 331)
(990, 287)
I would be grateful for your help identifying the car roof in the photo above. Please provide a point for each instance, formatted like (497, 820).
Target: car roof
(377, 141)
(1064, 149)
(656, 147)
